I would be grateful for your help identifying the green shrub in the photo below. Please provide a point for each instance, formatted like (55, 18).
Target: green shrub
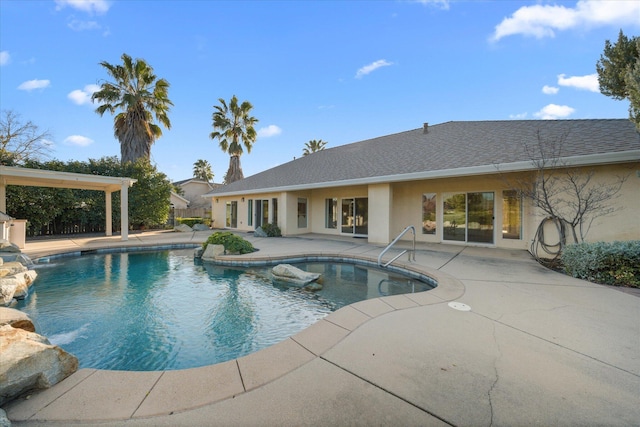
(231, 242)
(615, 263)
(271, 230)
(193, 221)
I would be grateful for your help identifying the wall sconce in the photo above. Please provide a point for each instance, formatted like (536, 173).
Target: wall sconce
(242, 200)
(217, 200)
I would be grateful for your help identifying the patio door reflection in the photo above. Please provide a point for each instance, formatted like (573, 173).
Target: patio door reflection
(468, 217)
(355, 216)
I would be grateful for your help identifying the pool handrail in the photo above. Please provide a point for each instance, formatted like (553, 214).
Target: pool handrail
(390, 245)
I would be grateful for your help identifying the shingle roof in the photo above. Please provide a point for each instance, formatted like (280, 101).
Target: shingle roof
(447, 147)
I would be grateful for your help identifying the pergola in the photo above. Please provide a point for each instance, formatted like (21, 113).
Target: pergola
(44, 178)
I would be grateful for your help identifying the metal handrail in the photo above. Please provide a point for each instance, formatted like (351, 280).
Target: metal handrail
(413, 250)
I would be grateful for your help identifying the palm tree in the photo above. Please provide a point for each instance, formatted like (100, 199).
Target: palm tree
(140, 95)
(313, 146)
(202, 170)
(233, 127)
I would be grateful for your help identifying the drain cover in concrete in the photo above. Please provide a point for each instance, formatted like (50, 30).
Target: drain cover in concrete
(459, 306)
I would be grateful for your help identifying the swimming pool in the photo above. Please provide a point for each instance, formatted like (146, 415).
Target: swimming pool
(146, 311)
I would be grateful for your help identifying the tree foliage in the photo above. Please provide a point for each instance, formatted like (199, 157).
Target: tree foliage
(313, 146)
(233, 127)
(64, 211)
(140, 95)
(20, 141)
(202, 170)
(619, 73)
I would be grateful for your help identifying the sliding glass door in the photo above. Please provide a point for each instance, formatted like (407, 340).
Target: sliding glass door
(468, 217)
(355, 216)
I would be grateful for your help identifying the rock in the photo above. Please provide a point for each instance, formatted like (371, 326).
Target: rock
(7, 291)
(16, 318)
(11, 268)
(182, 228)
(313, 287)
(289, 273)
(212, 252)
(200, 227)
(197, 252)
(7, 246)
(4, 421)
(1, 261)
(259, 232)
(19, 281)
(30, 362)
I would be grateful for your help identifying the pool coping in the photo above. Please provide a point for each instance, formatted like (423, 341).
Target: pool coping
(131, 394)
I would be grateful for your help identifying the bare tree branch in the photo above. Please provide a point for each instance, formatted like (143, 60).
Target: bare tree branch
(21, 141)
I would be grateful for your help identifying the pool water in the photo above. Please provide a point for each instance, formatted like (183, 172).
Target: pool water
(146, 311)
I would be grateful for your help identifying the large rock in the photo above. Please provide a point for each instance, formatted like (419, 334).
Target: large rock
(30, 362)
(16, 318)
(200, 227)
(212, 252)
(289, 273)
(183, 228)
(15, 281)
(259, 232)
(7, 246)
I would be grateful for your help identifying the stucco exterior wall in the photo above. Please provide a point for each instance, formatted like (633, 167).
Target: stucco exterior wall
(193, 191)
(394, 206)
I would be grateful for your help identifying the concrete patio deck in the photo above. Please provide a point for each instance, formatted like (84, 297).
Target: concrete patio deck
(536, 348)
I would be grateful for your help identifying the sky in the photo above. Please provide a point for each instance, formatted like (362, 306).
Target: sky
(339, 71)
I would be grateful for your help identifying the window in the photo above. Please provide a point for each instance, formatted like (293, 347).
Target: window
(331, 213)
(274, 203)
(232, 214)
(302, 212)
(429, 213)
(511, 215)
(468, 217)
(250, 212)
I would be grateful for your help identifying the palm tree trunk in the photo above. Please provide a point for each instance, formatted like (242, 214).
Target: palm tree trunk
(235, 170)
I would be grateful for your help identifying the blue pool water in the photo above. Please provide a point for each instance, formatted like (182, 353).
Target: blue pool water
(145, 311)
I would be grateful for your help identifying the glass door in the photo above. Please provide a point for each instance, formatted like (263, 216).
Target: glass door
(480, 217)
(355, 216)
(468, 217)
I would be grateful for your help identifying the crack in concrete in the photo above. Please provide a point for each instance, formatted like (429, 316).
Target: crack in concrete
(495, 370)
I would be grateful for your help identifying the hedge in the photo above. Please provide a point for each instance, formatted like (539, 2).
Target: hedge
(615, 263)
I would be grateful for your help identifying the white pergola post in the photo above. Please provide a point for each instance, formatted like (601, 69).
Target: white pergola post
(3, 196)
(124, 211)
(107, 202)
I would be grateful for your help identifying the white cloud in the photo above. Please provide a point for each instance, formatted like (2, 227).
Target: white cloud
(549, 90)
(30, 85)
(83, 96)
(78, 140)
(544, 20)
(271, 130)
(5, 58)
(372, 67)
(588, 82)
(442, 4)
(519, 116)
(553, 112)
(78, 25)
(89, 6)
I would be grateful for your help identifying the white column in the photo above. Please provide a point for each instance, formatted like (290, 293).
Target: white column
(124, 211)
(3, 196)
(107, 202)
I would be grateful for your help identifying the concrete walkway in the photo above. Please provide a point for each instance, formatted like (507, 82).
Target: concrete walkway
(535, 348)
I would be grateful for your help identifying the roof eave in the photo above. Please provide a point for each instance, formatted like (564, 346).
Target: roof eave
(587, 160)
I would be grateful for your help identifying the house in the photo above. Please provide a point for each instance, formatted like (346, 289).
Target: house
(177, 201)
(193, 189)
(454, 182)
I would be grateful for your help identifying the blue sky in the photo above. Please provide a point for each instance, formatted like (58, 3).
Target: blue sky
(340, 71)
